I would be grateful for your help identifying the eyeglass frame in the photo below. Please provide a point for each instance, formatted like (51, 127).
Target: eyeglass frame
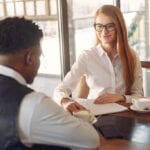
(106, 26)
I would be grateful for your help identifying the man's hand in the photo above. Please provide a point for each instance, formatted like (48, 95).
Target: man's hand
(71, 106)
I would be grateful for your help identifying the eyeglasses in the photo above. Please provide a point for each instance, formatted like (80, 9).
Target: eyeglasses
(109, 27)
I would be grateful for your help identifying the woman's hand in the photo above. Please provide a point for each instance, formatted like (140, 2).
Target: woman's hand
(109, 98)
(71, 106)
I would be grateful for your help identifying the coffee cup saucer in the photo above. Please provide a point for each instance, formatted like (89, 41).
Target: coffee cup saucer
(132, 107)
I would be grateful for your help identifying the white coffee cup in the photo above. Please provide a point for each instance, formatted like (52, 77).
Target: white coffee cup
(141, 103)
(85, 115)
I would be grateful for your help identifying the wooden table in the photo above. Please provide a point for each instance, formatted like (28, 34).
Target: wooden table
(120, 144)
(145, 64)
(123, 144)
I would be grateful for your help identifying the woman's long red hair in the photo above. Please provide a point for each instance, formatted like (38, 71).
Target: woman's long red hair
(126, 55)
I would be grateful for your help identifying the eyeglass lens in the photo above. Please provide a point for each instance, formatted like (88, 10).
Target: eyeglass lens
(109, 27)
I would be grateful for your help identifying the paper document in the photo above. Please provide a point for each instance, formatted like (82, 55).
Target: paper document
(99, 109)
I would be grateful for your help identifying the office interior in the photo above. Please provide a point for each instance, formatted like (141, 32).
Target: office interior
(68, 29)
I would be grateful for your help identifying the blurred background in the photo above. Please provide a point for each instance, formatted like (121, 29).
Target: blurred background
(68, 29)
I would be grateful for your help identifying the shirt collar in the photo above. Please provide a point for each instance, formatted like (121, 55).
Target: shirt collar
(101, 51)
(13, 74)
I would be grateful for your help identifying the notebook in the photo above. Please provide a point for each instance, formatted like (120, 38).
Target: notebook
(100, 109)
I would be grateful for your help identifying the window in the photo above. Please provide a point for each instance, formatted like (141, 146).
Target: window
(137, 19)
(44, 13)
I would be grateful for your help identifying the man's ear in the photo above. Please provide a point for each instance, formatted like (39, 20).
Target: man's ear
(28, 58)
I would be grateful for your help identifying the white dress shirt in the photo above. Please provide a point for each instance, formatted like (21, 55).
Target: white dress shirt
(101, 74)
(42, 121)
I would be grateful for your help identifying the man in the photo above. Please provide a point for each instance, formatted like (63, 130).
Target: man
(28, 119)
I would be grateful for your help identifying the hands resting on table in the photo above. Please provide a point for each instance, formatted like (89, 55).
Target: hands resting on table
(79, 111)
(73, 106)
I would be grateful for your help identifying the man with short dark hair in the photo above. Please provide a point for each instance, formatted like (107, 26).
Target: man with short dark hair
(29, 119)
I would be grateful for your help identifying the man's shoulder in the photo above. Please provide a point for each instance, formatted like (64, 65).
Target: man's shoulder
(36, 96)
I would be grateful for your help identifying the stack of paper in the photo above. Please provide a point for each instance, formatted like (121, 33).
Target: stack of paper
(100, 109)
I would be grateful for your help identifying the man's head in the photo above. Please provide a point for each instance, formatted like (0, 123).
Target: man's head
(20, 46)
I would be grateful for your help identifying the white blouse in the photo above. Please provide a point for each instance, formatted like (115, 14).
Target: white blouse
(101, 74)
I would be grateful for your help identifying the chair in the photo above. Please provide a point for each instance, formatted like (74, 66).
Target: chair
(83, 89)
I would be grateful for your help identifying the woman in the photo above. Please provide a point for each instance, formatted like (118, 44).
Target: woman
(112, 69)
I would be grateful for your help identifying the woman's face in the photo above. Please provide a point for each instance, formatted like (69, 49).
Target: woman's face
(105, 29)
